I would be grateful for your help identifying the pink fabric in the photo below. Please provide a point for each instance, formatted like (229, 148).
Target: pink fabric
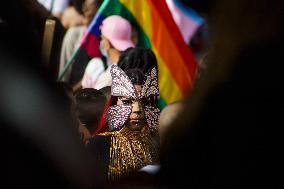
(118, 31)
(186, 25)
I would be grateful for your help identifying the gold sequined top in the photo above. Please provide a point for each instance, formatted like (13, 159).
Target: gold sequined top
(130, 151)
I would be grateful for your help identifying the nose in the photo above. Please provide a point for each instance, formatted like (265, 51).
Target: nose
(137, 107)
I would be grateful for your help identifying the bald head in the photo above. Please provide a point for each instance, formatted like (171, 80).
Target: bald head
(168, 116)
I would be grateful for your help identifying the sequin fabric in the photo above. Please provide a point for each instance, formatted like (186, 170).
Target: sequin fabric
(130, 151)
(150, 86)
(122, 86)
(152, 117)
(117, 116)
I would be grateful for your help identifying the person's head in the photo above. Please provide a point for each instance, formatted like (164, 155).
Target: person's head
(107, 92)
(89, 9)
(134, 91)
(78, 5)
(115, 37)
(89, 107)
(168, 116)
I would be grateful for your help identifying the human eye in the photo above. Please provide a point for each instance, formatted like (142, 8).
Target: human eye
(126, 101)
(150, 101)
(146, 101)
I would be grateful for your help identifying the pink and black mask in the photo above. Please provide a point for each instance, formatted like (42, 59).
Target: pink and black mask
(118, 115)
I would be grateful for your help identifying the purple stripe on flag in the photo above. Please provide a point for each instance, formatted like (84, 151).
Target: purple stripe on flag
(189, 12)
(94, 27)
(186, 19)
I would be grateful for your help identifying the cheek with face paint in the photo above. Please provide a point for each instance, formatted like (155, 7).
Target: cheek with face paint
(137, 119)
(118, 116)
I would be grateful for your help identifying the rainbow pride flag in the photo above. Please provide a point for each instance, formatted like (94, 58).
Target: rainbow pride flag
(156, 30)
(187, 20)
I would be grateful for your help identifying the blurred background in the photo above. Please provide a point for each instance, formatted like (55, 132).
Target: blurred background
(220, 81)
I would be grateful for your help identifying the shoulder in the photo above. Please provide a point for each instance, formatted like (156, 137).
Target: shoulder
(73, 34)
(76, 29)
(94, 64)
(95, 61)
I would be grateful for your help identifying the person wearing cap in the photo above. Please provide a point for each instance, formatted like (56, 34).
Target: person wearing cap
(72, 40)
(115, 38)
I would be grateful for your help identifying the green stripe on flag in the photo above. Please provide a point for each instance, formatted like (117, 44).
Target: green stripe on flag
(114, 7)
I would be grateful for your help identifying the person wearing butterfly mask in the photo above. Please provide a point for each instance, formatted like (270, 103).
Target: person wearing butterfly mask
(126, 144)
(116, 36)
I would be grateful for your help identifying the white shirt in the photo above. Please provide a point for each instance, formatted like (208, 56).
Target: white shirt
(70, 43)
(58, 5)
(95, 75)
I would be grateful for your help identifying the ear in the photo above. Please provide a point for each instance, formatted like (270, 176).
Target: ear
(121, 84)
(150, 86)
(107, 44)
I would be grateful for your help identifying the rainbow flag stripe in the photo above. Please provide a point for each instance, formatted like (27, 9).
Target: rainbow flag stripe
(187, 20)
(158, 31)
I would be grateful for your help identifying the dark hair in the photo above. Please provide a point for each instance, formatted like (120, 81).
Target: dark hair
(90, 104)
(78, 4)
(107, 92)
(136, 62)
(90, 9)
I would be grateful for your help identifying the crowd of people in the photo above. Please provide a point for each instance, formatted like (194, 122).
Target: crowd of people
(100, 126)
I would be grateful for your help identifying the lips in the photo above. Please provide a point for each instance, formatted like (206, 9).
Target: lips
(135, 121)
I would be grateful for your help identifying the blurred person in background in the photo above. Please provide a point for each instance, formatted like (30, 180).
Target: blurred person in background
(115, 38)
(107, 92)
(38, 147)
(55, 7)
(73, 14)
(74, 35)
(228, 135)
(90, 104)
(169, 116)
(30, 16)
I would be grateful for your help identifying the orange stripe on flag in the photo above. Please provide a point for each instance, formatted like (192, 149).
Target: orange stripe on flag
(166, 47)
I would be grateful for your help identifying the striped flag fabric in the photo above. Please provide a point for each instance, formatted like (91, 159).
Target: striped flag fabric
(187, 20)
(157, 30)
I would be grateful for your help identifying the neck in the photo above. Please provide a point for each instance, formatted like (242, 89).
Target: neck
(126, 132)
